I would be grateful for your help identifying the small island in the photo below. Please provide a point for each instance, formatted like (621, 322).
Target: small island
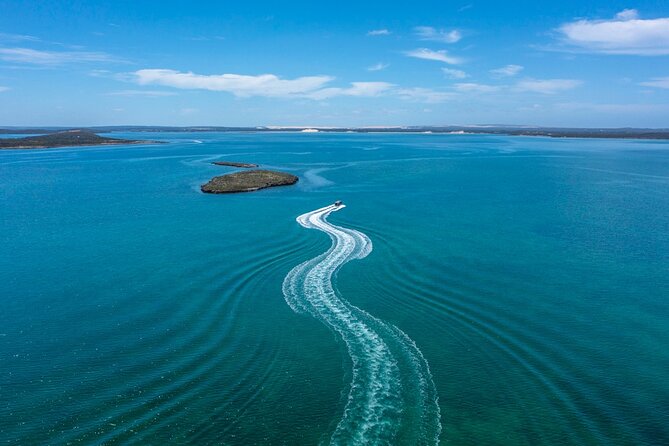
(234, 164)
(247, 181)
(69, 138)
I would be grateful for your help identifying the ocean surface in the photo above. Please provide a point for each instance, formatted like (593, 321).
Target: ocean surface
(473, 290)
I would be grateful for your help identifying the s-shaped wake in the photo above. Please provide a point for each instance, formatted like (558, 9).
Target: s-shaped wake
(392, 398)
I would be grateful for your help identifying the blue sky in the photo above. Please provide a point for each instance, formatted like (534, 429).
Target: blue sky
(567, 63)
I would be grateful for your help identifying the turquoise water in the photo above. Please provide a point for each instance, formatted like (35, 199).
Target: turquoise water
(531, 275)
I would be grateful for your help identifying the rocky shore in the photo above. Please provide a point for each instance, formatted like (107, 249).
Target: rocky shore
(247, 181)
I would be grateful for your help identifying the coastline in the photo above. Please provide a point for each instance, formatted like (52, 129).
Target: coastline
(501, 130)
(67, 138)
(122, 143)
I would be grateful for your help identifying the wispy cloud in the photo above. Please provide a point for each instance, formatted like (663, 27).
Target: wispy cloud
(378, 67)
(142, 93)
(378, 32)
(204, 38)
(239, 85)
(657, 82)
(18, 38)
(471, 87)
(428, 54)
(437, 35)
(507, 71)
(107, 74)
(100, 73)
(452, 73)
(547, 86)
(626, 33)
(618, 109)
(359, 89)
(426, 95)
(52, 58)
(3, 89)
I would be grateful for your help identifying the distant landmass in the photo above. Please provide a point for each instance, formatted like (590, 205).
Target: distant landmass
(554, 132)
(247, 181)
(68, 138)
(234, 164)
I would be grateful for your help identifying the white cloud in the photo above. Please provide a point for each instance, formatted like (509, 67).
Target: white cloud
(378, 67)
(626, 33)
(547, 86)
(378, 32)
(360, 89)
(454, 74)
(471, 87)
(507, 71)
(657, 82)
(628, 14)
(267, 85)
(435, 35)
(3, 89)
(144, 93)
(52, 58)
(428, 54)
(426, 95)
(237, 84)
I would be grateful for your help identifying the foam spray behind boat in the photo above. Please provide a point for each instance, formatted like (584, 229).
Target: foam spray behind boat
(392, 397)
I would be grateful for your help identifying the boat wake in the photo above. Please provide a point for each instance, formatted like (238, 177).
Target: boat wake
(392, 397)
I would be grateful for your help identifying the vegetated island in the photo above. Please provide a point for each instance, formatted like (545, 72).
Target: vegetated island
(234, 164)
(69, 138)
(247, 181)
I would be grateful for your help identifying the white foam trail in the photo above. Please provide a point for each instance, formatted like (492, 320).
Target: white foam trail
(392, 393)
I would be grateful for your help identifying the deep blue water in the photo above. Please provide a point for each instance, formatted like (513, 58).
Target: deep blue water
(531, 273)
